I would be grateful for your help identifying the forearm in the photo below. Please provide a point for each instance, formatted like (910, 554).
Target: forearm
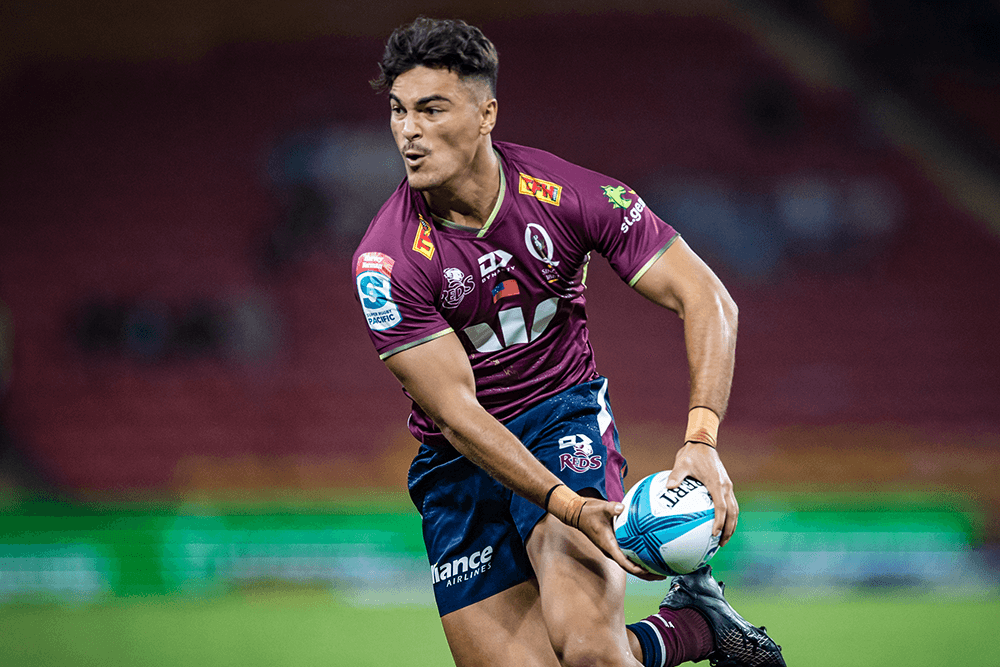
(478, 436)
(710, 324)
(683, 283)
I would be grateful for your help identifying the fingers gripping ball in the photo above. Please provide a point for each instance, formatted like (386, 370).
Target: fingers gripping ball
(667, 531)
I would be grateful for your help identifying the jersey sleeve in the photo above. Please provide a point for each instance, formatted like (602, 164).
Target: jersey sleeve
(398, 303)
(623, 229)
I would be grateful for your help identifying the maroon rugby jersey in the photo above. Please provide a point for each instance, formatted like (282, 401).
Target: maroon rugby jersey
(512, 291)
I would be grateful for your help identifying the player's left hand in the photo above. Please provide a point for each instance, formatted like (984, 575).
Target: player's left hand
(702, 462)
(597, 523)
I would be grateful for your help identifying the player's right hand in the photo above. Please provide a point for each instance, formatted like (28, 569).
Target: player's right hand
(697, 460)
(597, 523)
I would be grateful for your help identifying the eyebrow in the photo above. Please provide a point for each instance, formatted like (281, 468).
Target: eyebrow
(423, 100)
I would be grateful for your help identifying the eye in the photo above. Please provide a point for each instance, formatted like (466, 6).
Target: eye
(432, 111)
(397, 110)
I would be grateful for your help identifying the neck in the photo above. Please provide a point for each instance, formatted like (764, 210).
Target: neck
(469, 202)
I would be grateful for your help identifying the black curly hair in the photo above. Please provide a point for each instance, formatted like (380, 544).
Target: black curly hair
(451, 44)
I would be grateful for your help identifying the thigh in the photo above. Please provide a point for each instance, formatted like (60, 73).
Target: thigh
(505, 630)
(582, 593)
(474, 549)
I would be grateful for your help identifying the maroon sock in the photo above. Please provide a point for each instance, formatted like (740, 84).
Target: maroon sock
(671, 637)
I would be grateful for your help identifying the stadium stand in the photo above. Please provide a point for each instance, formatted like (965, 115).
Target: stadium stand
(148, 184)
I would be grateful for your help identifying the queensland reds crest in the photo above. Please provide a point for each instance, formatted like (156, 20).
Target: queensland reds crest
(582, 458)
(458, 286)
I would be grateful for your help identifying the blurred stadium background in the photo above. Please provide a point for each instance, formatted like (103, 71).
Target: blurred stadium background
(203, 460)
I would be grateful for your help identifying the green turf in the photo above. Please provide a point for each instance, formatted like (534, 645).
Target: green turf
(312, 628)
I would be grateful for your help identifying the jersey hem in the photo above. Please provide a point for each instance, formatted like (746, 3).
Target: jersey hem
(407, 346)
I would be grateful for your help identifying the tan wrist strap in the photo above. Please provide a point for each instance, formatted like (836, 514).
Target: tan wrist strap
(566, 505)
(702, 427)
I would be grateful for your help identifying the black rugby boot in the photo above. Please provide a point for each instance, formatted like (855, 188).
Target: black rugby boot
(738, 643)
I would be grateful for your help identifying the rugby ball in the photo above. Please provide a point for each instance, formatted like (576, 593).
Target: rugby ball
(667, 531)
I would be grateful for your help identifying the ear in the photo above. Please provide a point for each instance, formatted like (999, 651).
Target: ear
(488, 116)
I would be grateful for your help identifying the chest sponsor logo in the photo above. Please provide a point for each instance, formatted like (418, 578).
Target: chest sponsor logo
(462, 568)
(543, 191)
(422, 242)
(458, 285)
(513, 326)
(492, 262)
(582, 458)
(374, 283)
(540, 244)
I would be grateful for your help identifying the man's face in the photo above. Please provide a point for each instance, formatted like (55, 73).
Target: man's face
(438, 122)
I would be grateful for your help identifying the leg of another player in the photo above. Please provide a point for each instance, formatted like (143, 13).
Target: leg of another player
(505, 630)
(582, 593)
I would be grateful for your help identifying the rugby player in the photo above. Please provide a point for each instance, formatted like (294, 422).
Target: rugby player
(471, 278)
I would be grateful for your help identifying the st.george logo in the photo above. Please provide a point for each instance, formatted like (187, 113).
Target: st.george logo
(616, 196)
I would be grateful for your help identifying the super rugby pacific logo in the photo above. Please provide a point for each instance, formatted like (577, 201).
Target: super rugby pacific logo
(582, 458)
(374, 282)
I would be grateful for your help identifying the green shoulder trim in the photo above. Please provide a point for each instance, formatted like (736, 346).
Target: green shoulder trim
(652, 260)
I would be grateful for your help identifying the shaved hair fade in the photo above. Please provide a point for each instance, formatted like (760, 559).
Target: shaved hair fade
(439, 43)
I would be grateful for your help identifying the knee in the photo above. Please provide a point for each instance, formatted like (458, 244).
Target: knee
(579, 648)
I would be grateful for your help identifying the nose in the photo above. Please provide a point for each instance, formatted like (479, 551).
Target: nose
(409, 128)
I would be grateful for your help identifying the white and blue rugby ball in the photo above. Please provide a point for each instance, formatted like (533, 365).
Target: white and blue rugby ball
(667, 531)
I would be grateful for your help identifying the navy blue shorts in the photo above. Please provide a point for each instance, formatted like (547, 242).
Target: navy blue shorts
(475, 529)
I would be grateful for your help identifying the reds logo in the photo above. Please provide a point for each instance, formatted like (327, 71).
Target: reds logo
(458, 286)
(582, 458)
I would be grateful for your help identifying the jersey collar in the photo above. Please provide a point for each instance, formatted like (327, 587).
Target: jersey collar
(496, 208)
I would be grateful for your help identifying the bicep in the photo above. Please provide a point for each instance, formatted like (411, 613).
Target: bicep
(678, 278)
(438, 376)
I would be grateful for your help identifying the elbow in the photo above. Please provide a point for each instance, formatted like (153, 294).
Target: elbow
(730, 311)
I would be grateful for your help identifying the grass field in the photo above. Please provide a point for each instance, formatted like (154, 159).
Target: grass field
(286, 628)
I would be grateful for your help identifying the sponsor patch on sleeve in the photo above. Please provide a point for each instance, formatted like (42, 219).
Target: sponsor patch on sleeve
(616, 196)
(375, 261)
(422, 242)
(544, 191)
(374, 282)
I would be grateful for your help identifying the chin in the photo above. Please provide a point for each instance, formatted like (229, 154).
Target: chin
(420, 182)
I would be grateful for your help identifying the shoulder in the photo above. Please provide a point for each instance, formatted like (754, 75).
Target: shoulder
(550, 177)
(394, 240)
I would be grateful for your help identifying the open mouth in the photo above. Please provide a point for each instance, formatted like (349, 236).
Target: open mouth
(413, 156)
